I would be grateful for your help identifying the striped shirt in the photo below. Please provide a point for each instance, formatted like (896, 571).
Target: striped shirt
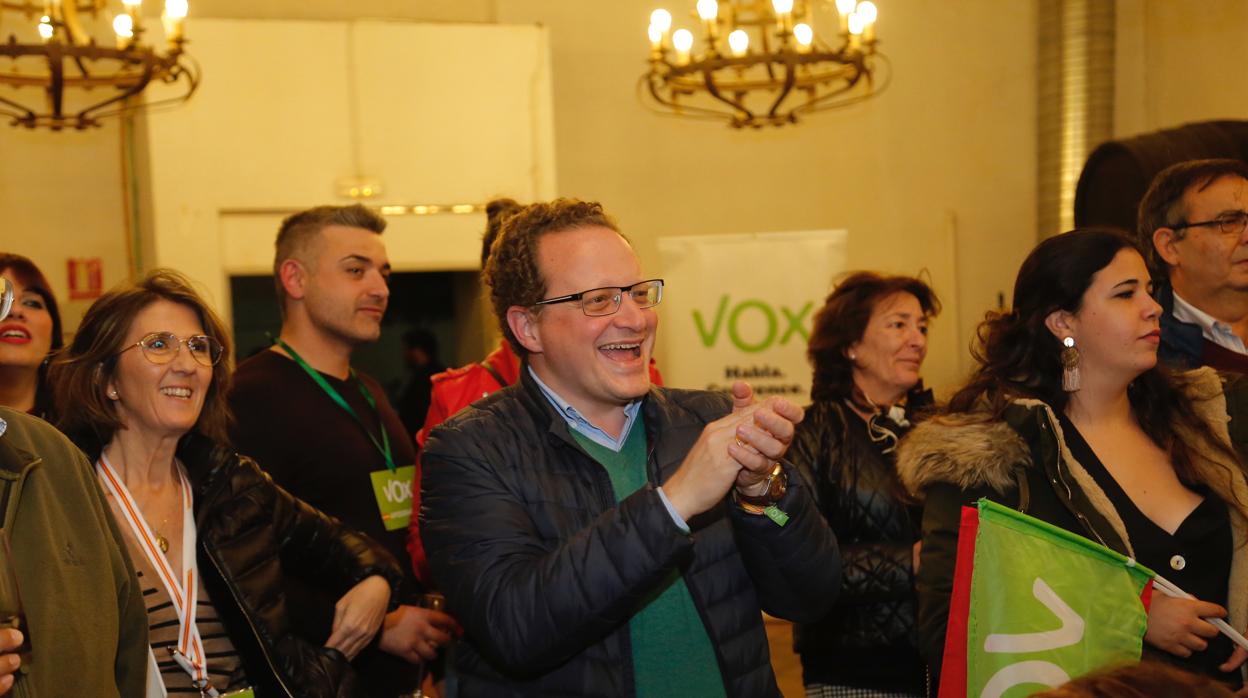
(225, 669)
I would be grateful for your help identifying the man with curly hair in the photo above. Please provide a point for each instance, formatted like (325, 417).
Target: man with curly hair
(598, 535)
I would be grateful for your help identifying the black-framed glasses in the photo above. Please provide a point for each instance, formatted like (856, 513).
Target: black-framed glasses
(606, 301)
(163, 347)
(1230, 223)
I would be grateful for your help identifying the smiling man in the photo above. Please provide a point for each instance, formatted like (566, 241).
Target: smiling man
(326, 433)
(597, 535)
(1194, 222)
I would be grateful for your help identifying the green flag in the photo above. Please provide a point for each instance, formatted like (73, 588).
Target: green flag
(1035, 605)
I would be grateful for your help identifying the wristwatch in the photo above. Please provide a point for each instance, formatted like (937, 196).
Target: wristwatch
(777, 485)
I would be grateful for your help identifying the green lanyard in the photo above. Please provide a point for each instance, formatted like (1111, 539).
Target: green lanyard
(384, 446)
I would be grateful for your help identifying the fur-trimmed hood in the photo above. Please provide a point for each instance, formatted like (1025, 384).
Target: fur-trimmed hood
(973, 450)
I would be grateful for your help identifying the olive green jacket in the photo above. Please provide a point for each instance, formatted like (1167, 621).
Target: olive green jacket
(84, 610)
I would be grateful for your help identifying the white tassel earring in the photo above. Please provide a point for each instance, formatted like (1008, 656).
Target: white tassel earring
(1070, 365)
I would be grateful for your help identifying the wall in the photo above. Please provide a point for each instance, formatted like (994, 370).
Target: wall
(1178, 63)
(936, 173)
(60, 197)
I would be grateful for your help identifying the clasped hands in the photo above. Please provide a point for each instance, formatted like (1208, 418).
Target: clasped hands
(409, 632)
(738, 450)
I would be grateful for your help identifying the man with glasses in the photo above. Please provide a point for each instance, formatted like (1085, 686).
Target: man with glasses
(1192, 224)
(327, 434)
(598, 535)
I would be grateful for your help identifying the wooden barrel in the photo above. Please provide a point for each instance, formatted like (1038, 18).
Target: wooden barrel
(1118, 173)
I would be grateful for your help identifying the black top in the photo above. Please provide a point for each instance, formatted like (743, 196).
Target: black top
(1201, 546)
(317, 452)
(867, 639)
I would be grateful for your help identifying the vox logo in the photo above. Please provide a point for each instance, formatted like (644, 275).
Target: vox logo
(752, 325)
(397, 491)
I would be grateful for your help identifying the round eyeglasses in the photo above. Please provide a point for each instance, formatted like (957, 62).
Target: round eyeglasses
(163, 347)
(606, 301)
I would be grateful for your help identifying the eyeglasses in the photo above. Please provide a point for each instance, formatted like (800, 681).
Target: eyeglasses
(163, 347)
(1231, 223)
(606, 301)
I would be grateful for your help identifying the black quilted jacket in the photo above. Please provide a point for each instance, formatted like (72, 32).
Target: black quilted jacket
(250, 533)
(544, 569)
(867, 639)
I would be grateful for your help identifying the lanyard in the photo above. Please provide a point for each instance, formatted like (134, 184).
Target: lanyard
(384, 446)
(189, 654)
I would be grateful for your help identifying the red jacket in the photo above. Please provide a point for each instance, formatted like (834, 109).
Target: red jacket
(453, 390)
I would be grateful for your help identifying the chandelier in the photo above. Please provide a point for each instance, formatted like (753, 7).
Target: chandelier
(56, 73)
(761, 62)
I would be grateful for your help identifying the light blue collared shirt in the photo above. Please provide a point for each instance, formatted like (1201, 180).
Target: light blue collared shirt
(587, 429)
(1213, 329)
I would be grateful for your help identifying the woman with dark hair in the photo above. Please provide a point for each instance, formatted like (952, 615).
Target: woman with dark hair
(1069, 418)
(28, 338)
(142, 391)
(867, 348)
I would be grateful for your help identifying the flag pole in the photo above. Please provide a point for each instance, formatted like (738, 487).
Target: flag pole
(1169, 589)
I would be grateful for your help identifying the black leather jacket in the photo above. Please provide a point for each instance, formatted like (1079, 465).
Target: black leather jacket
(544, 568)
(250, 533)
(867, 639)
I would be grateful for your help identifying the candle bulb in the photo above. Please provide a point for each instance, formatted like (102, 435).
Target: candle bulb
(739, 42)
(805, 36)
(662, 19)
(174, 20)
(784, 15)
(682, 41)
(855, 30)
(45, 28)
(708, 10)
(656, 38)
(845, 8)
(868, 12)
(123, 27)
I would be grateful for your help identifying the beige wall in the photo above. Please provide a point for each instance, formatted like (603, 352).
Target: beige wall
(60, 197)
(1179, 62)
(937, 173)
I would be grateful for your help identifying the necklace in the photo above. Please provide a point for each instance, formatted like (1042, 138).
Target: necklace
(161, 541)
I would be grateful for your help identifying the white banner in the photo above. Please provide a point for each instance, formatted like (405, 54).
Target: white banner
(740, 307)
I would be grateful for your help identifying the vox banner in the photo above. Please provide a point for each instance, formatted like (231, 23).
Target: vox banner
(740, 307)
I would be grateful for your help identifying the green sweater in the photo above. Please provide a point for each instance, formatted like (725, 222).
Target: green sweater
(672, 653)
(85, 616)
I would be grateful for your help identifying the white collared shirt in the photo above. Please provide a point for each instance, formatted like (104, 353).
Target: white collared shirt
(1213, 329)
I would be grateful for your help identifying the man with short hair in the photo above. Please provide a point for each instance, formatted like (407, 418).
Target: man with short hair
(1192, 225)
(598, 535)
(327, 433)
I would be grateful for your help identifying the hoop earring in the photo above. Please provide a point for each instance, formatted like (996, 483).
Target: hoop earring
(1070, 365)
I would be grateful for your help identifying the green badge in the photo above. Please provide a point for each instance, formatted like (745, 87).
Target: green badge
(777, 516)
(241, 693)
(394, 495)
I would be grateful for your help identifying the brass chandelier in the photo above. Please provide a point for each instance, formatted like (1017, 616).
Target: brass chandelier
(58, 71)
(761, 62)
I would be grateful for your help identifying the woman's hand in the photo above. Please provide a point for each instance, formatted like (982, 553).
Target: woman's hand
(415, 633)
(358, 615)
(1178, 626)
(9, 661)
